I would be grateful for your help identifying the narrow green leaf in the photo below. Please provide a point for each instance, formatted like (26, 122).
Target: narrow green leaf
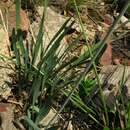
(56, 43)
(79, 103)
(70, 47)
(31, 123)
(57, 34)
(42, 113)
(39, 41)
(16, 50)
(36, 89)
(23, 52)
(17, 7)
(128, 116)
(106, 128)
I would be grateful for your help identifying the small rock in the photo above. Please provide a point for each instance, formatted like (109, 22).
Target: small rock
(113, 74)
(6, 117)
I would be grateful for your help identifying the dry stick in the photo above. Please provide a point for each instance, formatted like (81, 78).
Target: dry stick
(59, 114)
(5, 27)
(87, 69)
(2, 18)
(32, 33)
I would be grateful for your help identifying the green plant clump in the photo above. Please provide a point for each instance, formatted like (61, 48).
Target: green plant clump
(46, 69)
(49, 74)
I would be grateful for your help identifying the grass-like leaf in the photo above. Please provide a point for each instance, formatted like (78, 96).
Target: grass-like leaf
(31, 123)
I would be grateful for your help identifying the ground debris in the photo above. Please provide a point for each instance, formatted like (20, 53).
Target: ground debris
(5, 66)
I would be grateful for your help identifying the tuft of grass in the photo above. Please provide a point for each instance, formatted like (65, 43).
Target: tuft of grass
(49, 74)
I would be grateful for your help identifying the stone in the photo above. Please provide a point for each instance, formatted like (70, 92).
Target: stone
(6, 117)
(112, 75)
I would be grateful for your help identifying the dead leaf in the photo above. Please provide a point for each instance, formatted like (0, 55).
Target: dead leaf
(106, 58)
